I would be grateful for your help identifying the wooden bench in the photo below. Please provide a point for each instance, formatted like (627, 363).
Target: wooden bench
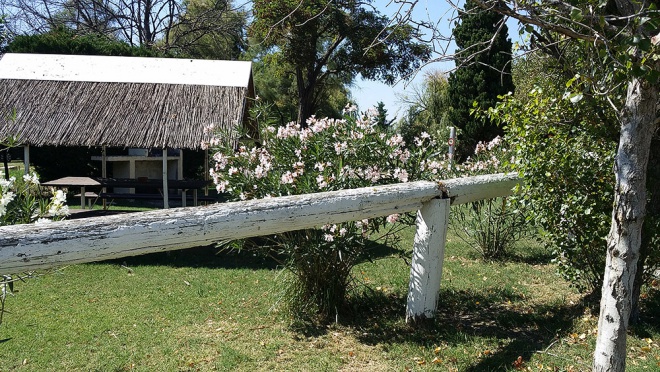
(89, 195)
(148, 186)
(114, 195)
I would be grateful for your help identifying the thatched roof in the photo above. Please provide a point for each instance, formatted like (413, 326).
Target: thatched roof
(120, 101)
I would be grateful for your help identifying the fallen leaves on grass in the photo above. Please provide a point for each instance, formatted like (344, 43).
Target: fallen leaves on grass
(519, 364)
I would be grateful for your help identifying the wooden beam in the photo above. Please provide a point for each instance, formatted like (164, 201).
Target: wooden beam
(470, 189)
(29, 247)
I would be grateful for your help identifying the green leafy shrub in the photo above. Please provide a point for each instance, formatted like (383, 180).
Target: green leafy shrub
(491, 226)
(566, 164)
(336, 154)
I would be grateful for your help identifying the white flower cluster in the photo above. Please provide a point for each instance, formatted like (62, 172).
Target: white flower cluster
(484, 147)
(349, 109)
(33, 178)
(434, 166)
(58, 205)
(6, 195)
(22, 196)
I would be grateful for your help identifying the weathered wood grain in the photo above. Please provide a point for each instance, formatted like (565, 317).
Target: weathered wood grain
(470, 189)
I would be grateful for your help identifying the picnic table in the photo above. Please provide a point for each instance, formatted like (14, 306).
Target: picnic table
(81, 182)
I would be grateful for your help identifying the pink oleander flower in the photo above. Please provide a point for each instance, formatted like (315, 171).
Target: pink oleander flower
(287, 178)
(494, 143)
(401, 174)
(221, 186)
(392, 218)
(260, 172)
(396, 140)
(349, 108)
(221, 160)
(320, 182)
(340, 147)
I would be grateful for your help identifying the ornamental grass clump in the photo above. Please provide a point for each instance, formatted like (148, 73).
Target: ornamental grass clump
(325, 155)
(491, 226)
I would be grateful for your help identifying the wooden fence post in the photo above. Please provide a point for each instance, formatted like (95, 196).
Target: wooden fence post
(428, 256)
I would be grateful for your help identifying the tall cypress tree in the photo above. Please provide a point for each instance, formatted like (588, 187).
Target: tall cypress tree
(480, 78)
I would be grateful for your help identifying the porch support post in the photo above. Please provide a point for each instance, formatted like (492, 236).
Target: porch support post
(104, 171)
(428, 256)
(206, 171)
(179, 176)
(166, 202)
(26, 159)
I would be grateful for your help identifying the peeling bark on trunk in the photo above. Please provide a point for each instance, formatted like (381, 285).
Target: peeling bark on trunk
(625, 237)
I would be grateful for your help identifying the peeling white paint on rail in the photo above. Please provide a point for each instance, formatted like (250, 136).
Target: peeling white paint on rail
(27, 247)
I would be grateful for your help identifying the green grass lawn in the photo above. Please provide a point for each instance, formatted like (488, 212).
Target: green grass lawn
(196, 310)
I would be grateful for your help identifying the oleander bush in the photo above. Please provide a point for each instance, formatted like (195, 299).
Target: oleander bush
(324, 155)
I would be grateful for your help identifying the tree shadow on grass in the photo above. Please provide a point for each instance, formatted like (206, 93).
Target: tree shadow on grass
(199, 257)
(500, 314)
(536, 257)
(649, 321)
(214, 257)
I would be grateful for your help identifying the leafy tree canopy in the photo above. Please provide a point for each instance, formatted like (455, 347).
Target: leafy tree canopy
(483, 74)
(428, 108)
(276, 86)
(63, 40)
(173, 26)
(209, 29)
(339, 38)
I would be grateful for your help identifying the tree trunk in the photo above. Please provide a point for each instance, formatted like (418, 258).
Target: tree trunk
(305, 108)
(625, 237)
(305, 94)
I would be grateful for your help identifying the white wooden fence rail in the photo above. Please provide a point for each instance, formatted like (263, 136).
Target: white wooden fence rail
(29, 247)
